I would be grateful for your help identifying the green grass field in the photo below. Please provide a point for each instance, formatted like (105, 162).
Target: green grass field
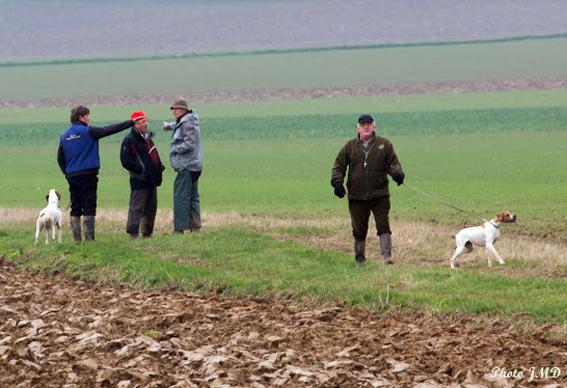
(530, 59)
(476, 158)
(480, 151)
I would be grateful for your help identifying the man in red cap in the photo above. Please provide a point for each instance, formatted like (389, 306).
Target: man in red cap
(140, 157)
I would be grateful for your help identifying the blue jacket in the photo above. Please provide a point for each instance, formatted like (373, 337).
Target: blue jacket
(78, 147)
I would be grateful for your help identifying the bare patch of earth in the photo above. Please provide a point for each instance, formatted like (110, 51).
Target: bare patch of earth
(55, 331)
(416, 243)
(292, 94)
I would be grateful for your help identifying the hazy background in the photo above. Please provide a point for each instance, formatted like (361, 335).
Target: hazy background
(38, 29)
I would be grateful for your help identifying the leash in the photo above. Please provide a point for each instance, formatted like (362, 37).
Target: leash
(435, 198)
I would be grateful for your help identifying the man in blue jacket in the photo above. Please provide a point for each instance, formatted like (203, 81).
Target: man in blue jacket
(78, 158)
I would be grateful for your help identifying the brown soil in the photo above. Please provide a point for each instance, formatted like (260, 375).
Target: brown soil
(55, 331)
(287, 94)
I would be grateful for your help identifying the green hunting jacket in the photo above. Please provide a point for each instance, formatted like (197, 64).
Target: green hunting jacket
(367, 170)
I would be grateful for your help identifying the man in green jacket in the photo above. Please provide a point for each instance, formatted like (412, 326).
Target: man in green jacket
(368, 159)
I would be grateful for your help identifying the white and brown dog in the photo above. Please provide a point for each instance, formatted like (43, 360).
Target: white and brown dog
(50, 217)
(484, 235)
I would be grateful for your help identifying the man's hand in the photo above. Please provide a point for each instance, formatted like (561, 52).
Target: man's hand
(339, 190)
(398, 177)
(165, 126)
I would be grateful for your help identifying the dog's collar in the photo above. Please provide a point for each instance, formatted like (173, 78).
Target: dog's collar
(490, 222)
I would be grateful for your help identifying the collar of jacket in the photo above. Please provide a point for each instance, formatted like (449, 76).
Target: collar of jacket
(185, 115)
(152, 134)
(372, 138)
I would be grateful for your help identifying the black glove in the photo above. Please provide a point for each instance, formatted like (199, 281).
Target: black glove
(398, 177)
(339, 190)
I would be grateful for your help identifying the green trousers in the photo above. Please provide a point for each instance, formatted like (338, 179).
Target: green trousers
(360, 213)
(186, 202)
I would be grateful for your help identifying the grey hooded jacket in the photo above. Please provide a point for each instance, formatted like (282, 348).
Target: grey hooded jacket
(186, 149)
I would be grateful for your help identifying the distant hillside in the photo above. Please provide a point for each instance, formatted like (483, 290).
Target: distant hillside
(39, 29)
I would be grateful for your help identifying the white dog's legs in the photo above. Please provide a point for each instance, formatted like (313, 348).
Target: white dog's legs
(457, 253)
(59, 232)
(492, 250)
(37, 231)
(46, 236)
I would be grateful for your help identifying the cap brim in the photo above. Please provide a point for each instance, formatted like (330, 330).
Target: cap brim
(177, 106)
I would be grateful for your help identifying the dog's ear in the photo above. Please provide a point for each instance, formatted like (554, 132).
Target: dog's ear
(501, 216)
(46, 197)
(58, 194)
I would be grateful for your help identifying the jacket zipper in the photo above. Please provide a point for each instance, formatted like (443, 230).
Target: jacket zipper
(366, 165)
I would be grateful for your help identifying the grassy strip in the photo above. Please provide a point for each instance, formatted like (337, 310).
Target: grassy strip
(282, 109)
(484, 173)
(242, 262)
(537, 60)
(157, 57)
(331, 125)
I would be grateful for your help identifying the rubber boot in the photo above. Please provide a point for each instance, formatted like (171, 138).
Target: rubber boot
(386, 247)
(195, 225)
(359, 252)
(89, 227)
(76, 228)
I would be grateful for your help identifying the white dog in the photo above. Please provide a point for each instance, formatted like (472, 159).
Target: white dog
(483, 235)
(50, 217)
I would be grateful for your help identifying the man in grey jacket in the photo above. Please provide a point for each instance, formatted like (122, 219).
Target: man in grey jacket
(186, 156)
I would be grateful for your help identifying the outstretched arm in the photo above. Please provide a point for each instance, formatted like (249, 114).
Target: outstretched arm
(100, 132)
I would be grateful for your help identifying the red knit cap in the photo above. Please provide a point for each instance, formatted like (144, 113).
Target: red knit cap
(138, 115)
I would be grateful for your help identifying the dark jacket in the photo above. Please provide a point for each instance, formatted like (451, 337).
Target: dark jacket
(140, 157)
(78, 152)
(367, 169)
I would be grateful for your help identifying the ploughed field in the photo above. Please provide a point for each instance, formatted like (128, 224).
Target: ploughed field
(56, 331)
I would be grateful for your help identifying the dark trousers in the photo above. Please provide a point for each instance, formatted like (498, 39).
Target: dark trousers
(186, 201)
(83, 194)
(360, 213)
(142, 211)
